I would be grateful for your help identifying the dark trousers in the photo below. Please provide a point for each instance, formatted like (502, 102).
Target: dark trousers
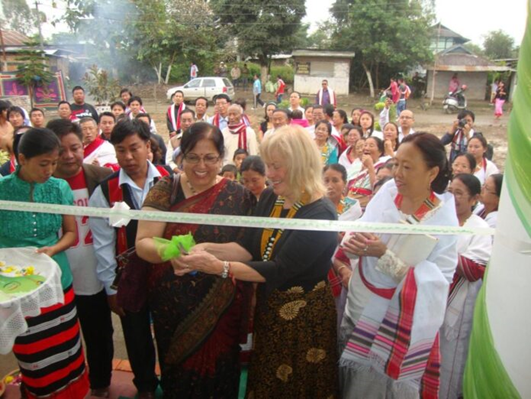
(140, 349)
(258, 100)
(96, 325)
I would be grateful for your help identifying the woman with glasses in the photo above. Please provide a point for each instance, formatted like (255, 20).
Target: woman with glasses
(198, 317)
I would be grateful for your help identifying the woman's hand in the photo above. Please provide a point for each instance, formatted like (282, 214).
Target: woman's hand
(345, 273)
(50, 251)
(365, 244)
(180, 268)
(367, 161)
(389, 149)
(202, 261)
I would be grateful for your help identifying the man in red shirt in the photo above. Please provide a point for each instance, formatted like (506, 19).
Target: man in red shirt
(91, 300)
(281, 86)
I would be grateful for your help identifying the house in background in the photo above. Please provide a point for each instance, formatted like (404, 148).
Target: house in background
(15, 43)
(312, 66)
(444, 38)
(451, 57)
(472, 71)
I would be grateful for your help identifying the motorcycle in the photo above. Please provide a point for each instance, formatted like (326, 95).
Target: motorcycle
(455, 100)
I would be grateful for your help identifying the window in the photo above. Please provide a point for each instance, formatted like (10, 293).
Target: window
(226, 82)
(209, 83)
(193, 84)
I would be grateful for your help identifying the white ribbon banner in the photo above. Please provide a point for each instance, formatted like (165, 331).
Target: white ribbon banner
(118, 213)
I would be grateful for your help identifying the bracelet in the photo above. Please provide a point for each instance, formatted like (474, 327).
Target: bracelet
(226, 269)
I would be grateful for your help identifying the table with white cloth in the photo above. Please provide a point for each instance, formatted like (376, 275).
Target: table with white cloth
(15, 307)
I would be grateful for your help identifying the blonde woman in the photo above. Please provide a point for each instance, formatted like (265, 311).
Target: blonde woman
(295, 322)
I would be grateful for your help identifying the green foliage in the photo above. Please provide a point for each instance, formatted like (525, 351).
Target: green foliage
(391, 33)
(123, 35)
(286, 72)
(262, 28)
(498, 44)
(33, 71)
(477, 50)
(17, 16)
(378, 108)
(101, 87)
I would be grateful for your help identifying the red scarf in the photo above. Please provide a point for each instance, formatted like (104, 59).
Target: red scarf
(241, 130)
(215, 121)
(91, 147)
(175, 121)
(12, 164)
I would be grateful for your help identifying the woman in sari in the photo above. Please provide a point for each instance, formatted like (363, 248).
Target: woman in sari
(295, 322)
(198, 318)
(474, 253)
(396, 297)
(360, 186)
(326, 143)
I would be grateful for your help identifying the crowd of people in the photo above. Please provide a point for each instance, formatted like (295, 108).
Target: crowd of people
(325, 314)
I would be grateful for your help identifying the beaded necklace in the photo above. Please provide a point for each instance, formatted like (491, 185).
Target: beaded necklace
(271, 236)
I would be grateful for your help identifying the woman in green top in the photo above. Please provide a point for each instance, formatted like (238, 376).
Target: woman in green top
(50, 353)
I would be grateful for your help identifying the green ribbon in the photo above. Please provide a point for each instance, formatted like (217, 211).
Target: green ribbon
(519, 137)
(485, 375)
(169, 249)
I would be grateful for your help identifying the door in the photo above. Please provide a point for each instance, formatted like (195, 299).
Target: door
(193, 89)
(210, 88)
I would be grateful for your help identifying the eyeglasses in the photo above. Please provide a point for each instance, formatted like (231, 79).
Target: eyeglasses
(195, 159)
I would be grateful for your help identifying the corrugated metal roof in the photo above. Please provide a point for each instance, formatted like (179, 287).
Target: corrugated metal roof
(470, 68)
(14, 38)
(446, 32)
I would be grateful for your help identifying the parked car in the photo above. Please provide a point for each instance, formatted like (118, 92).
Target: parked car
(208, 87)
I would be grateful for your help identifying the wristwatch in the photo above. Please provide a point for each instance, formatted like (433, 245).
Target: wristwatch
(226, 269)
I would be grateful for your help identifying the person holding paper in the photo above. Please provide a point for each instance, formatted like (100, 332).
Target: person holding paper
(399, 286)
(474, 253)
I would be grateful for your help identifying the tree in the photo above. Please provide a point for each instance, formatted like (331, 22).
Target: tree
(17, 16)
(383, 33)
(154, 33)
(477, 50)
(498, 44)
(33, 71)
(263, 27)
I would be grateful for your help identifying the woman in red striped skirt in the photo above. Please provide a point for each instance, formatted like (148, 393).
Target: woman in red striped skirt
(50, 353)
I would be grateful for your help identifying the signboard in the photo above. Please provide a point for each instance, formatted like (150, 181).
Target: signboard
(43, 97)
(303, 68)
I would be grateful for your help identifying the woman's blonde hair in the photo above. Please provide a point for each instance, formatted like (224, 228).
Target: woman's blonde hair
(301, 158)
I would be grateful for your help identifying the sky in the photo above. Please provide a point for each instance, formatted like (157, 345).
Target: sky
(470, 18)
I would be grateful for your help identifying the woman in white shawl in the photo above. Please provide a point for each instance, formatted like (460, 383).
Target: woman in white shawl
(399, 286)
(474, 252)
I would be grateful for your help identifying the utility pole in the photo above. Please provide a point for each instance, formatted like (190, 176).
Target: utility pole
(3, 50)
(39, 21)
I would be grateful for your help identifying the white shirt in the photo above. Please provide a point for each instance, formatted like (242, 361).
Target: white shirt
(105, 154)
(231, 144)
(104, 235)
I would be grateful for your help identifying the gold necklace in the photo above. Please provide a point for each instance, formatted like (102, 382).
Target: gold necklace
(192, 189)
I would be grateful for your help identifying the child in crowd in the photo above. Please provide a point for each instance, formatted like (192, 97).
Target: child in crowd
(229, 172)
